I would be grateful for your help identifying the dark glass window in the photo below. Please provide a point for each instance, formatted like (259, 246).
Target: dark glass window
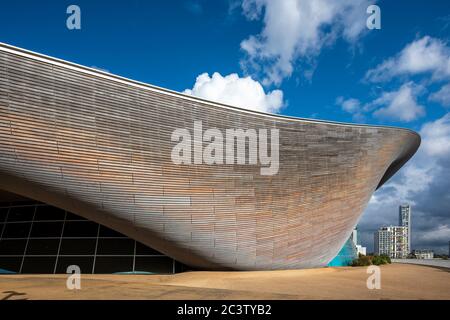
(179, 267)
(113, 264)
(115, 246)
(12, 247)
(78, 246)
(83, 242)
(84, 263)
(3, 213)
(46, 229)
(48, 213)
(42, 247)
(105, 232)
(16, 230)
(21, 214)
(10, 264)
(154, 264)
(80, 229)
(39, 264)
(144, 250)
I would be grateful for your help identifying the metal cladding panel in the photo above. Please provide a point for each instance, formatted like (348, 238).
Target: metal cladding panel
(100, 146)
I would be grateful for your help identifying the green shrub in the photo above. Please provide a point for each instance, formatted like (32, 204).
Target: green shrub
(387, 259)
(378, 260)
(369, 260)
(361, 261)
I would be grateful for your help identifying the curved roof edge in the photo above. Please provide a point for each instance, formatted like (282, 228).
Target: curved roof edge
(96, 72)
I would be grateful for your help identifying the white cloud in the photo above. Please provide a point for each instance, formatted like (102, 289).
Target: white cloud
(401, 104)
(349, 105)
(352, 106)
(425, 55)
(436, 137)
(234, 90)
(296, 29)
(442, 96)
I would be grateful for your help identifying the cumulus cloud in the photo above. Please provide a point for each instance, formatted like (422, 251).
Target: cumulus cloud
(349, 105)
(401, 104)
(425, 55)
(352, 106)
(233, 90)
(422, 182)
(442, 96)
(296, 29)
(436, 137)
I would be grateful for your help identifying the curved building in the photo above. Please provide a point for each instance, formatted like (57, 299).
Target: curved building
(101, 146)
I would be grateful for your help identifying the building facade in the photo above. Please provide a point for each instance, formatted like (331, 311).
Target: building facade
(424, 254)
(359, 248)
(100, 146)
(404, 220)
(392, 242)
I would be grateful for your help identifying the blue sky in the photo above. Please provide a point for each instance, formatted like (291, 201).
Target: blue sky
(171, 43)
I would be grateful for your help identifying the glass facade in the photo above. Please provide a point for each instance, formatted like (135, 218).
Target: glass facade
(346, 255)
(38, 238)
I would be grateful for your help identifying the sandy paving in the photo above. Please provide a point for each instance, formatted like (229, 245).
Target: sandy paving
(398, 281)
